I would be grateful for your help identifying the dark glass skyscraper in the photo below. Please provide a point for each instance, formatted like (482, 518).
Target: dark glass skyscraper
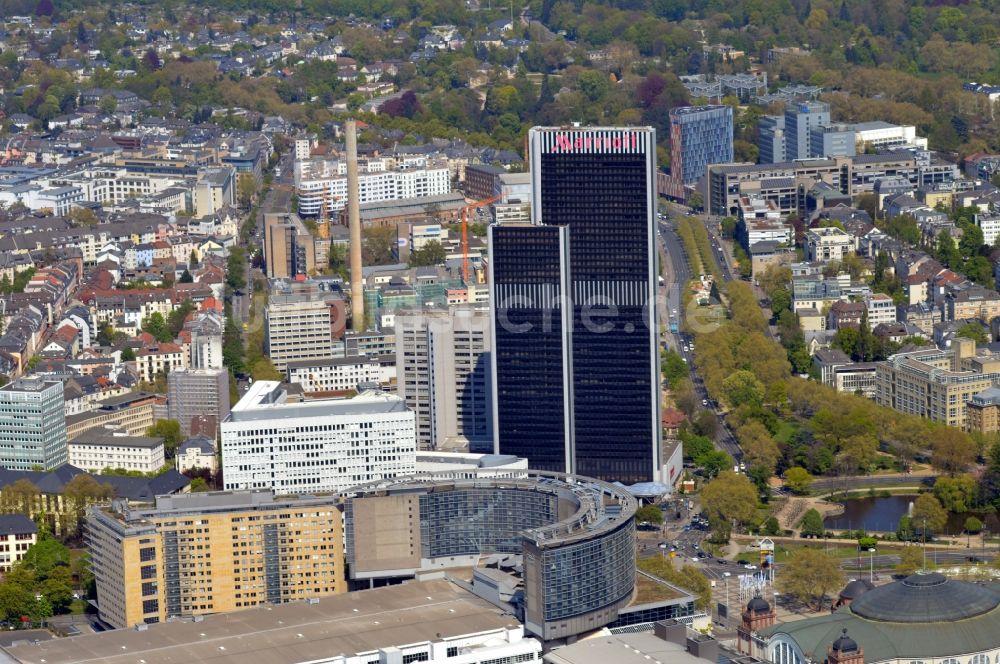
(597, 184)
(529, 266)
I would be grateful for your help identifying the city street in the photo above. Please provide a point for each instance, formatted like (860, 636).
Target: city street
(277, 199)
(676, 276)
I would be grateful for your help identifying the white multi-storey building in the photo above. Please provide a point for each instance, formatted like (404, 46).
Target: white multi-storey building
(302, 149)
(989, 223)
(205, 351)
(827, 244)
(269, 442)
(32, 424)
(96, 450)
(379, 180)
(18, 533)
(339, 374)
(881, 309)
(880, 134)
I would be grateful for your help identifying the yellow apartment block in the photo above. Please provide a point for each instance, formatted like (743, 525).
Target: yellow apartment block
(210, 553)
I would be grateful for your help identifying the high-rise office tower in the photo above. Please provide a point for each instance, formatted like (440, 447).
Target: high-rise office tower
(300, 321)
(289, 248)
(32, 424)
(771, 139)
(574, 316)
(800, 118)
(206, 330)
(699, 136)
(832, 140)
(442, 369)
(529, 274)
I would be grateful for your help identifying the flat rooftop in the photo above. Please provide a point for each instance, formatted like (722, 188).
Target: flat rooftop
(28, 384)
(649, 589)
(638, 648)
(351, 623)
(334, 362)
(467, 459)
(106, 439)
(265, 400)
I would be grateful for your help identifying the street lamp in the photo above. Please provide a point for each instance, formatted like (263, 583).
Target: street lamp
(871, 568)
(924, 534)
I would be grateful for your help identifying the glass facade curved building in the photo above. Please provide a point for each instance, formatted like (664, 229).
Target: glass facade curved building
(575, 536)
(474, 520)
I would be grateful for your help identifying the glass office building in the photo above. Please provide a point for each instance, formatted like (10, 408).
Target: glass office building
(32, 425)
(771, 139)
(800, 119)
(699, 136)
(572, 580)
(529, 266)
(572, 540)
(598, 184)
(481, 519)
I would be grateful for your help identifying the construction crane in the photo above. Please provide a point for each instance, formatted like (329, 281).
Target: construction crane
(465, 232)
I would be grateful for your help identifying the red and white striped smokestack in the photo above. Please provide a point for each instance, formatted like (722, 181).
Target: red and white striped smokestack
(354, 224)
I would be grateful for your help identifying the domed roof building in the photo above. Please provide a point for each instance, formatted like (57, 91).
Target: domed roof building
(925, 618)
(852, 591)
(844, 644)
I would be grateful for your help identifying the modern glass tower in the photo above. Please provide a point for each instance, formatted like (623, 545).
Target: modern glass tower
(529, 271)
(799, 120)
(699, 136)
(32, 424)
(590, 289)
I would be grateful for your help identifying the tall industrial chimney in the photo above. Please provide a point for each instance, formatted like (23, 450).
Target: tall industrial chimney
(354, 224)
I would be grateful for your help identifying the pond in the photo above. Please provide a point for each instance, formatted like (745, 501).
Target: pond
(883, 514)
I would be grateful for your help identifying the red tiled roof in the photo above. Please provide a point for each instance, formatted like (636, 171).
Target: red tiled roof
(160, 349)
(211, 304)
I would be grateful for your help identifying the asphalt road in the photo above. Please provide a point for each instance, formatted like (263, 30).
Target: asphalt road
(278, 198)
(678, 274)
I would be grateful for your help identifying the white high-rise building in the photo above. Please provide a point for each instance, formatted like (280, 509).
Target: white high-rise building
(442, 371)
(205, 350)
(318, 445)
(881, 309)
(989, 222)
(302, 148)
